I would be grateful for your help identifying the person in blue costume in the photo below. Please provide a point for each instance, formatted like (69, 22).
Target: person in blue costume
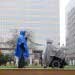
(22, 51)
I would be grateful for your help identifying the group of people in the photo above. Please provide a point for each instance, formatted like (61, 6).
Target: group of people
(22, 51)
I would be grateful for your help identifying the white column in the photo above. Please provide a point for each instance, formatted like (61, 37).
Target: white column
(31, 60)
(70, 63)
(31, 57)
(17, 59)
(73, 62)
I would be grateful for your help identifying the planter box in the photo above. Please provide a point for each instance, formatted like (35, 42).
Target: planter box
(36, 72)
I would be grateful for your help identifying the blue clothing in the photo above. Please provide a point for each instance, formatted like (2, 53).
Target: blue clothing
(18, 51)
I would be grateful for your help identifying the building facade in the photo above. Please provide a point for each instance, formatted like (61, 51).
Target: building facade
(70, 31)
(39, 16)
(70, 26)
(42, 17)
(70, 40)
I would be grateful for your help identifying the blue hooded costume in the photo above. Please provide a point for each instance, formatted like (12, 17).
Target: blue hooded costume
(22, 40)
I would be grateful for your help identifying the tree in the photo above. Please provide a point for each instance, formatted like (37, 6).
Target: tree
(12, 41)
(0, 53)
(31, 43)
(30, 36)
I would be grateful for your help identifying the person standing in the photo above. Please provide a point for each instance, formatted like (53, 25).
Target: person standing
(21, 51)
(49, 52)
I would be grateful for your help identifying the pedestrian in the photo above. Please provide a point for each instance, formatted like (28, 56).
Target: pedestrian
(50, 51)
(22, 51)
